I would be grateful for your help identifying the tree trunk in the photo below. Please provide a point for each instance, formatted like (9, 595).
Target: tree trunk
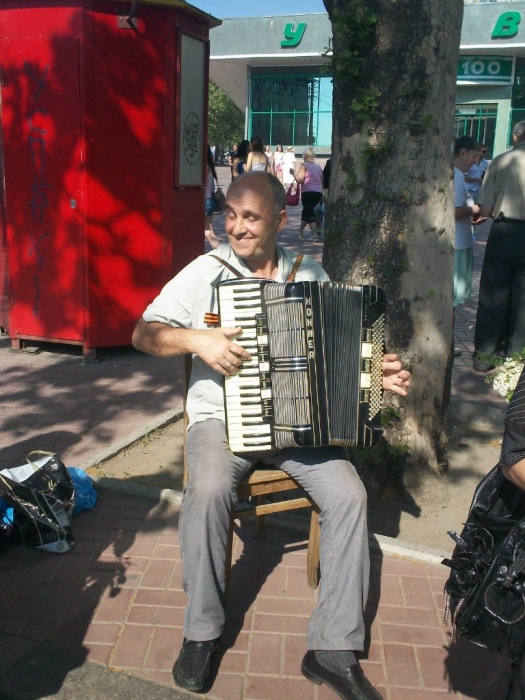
(390, 213)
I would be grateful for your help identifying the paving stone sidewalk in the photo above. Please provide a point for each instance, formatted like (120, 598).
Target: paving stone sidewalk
(116, 600)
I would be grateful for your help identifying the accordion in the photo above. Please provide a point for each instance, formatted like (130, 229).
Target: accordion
(315, 377)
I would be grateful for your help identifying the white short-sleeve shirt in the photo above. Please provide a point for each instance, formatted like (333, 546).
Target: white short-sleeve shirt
(185, 299)
(463, 238)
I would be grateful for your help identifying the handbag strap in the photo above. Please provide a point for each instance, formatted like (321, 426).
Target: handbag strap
(239, 275)
(38, 452)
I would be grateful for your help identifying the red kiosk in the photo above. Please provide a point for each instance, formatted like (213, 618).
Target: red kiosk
(104, 122)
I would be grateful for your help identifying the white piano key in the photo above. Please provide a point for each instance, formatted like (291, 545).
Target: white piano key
(247, 394)
(255, 443)
(236, 410)
(261, 429)
(234, 390)
(237, 380)
(238, 320)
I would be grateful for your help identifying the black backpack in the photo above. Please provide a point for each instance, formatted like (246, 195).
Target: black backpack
(485, 592)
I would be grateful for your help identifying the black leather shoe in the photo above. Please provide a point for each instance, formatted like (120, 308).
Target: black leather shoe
(192, 668)
(349, 685)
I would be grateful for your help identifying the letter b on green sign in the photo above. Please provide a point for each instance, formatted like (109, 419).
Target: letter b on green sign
(507, 25)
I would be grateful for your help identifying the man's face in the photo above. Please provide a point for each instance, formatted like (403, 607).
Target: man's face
(252, 224)
(466, 159)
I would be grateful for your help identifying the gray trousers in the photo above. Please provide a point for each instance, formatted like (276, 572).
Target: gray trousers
(333, 483)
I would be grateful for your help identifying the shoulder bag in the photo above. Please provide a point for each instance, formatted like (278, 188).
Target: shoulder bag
(219, 198)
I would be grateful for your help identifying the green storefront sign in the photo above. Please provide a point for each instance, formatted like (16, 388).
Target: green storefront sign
(486, 69)
(293, 35)
(507, 25)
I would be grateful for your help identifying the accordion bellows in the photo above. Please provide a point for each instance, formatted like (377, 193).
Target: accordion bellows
(315, 377)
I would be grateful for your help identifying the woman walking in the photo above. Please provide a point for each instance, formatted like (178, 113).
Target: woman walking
(278, 162)
(310, 177)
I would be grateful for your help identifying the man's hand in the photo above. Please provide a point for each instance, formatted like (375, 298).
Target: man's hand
(218, 349)
(395, 378)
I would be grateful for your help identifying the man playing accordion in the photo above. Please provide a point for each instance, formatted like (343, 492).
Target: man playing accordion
(175, 324)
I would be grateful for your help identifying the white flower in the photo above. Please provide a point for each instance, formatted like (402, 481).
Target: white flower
(505, 379)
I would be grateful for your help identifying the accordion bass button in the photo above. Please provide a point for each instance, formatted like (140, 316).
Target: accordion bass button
(365, 381)
(366, 350)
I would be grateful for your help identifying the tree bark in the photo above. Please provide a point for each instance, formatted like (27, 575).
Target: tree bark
(390, 212)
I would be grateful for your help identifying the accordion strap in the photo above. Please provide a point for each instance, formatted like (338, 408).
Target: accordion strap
(290, 278)
(230, 267)
(296, 266)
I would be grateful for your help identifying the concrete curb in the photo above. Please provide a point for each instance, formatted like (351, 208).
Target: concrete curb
(161, 421)
(386, 545)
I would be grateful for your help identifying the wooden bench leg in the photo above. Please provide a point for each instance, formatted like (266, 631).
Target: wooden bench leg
(261, 501)
(312, 561)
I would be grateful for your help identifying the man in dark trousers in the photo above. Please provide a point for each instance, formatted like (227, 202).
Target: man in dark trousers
(502, 196)
(176, 323)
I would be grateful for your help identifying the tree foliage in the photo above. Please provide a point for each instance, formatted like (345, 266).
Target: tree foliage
(390, 213)
(225, 119)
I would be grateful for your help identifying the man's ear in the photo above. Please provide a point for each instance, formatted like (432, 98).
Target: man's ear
(281, 220)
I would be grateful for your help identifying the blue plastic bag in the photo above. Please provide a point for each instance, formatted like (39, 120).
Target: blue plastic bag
(85, 494)
(6, 525)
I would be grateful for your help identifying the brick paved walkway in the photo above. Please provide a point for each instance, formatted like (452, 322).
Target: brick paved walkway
(117, 597)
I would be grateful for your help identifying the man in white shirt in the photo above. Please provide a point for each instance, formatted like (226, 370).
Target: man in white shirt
(175, 324)
(464, 156)
(502, 283)
(474, 175)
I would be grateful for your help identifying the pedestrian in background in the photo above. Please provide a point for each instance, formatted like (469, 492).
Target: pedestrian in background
(464, 156)
(310, 177)
(269, 155)
(209, 202)
(502, 196)
(232, 156)
(278, 162)
(239, 162)
(257, 158)
(288, 167)
(474, 175)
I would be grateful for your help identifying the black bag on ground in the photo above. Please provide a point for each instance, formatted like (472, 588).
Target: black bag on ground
(485, 592)
(42, 496)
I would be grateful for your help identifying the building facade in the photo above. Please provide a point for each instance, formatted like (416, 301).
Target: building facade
(276, 69)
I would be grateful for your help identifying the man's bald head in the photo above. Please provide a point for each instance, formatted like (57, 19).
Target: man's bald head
(519, 132)
(263, 183)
